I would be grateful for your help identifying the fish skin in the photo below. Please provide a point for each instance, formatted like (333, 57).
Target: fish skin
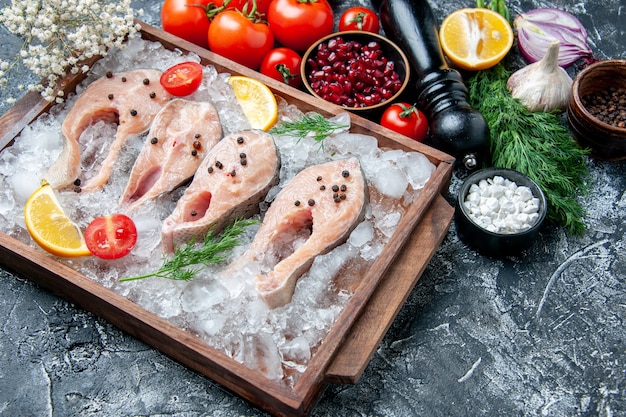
(163, 166)
(330, 223)
(218, 197)
(94, 105)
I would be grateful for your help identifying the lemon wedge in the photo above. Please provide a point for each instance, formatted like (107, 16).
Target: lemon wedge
(257, 101)
(50, 227)
(475, 38)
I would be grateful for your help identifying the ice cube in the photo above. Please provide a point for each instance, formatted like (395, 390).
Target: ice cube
(362, 234)
(390, 180)
(261, 354)
(200, 295)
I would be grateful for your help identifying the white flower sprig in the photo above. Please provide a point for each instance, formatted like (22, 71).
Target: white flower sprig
(59, 35)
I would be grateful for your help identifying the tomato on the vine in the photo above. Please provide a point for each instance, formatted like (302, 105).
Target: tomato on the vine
(359, 18)
(189, 19)
(297, 24)
(182, 79)
(242, 37)
(283, 64)
(111, 237)
(405, 119)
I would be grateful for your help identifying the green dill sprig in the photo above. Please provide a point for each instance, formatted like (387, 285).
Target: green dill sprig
(537, 144)
(311, 124)
(498, 6)
(214, 250)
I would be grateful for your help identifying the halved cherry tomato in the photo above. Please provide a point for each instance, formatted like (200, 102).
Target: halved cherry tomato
(359, 18)
(406, 119)
(297, 24)
(182, 79)
(189, 19)
(283, 64)
(111, 237)
(242, 37)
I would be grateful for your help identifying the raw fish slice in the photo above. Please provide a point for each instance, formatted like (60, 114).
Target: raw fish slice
(315, 212)
(234, 177)
(132, 99)
(181, 135)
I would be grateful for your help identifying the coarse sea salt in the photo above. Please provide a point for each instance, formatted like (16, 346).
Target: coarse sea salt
(499, 205)
(225, 313)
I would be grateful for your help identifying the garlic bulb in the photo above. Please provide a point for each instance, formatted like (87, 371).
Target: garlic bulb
(542, 85)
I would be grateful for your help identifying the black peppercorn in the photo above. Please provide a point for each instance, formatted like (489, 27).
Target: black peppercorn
(110, 96)
(311, 202)
(194, 152)
(152, 94)
(345, 174)
(133, 112)
(109, 74)
(297, 203)
(240, 140)
(146, 81)
(608, 106)
(154, 140)
(210, 169)
(123, 79)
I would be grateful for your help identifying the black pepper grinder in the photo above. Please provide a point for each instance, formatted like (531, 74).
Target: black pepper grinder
(455, 127)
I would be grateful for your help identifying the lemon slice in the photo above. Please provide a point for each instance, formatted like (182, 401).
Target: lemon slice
(50, 227)
(257, 101)
(475, 38)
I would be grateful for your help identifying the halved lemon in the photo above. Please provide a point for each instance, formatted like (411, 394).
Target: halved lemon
(257, 101)
(475, 38)
(50, 227)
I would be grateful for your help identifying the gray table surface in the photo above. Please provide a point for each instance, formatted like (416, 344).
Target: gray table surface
(542, 334)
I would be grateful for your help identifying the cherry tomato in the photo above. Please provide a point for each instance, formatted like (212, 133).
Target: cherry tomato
(283, 64)
(111, 237)
(182, 79)
(189, 19)
(241, 37)
(297, 24)
(359, 18)
(406, 119)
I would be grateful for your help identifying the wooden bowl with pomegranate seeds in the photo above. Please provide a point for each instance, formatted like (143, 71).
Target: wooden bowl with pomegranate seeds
(360, 71)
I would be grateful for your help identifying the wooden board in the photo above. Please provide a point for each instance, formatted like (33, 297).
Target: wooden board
(349, 345)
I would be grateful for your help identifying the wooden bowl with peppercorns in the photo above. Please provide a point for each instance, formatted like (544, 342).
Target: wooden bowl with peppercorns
(360, 71)
(597, 109)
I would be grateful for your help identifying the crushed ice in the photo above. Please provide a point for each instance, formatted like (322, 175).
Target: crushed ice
(226, 313)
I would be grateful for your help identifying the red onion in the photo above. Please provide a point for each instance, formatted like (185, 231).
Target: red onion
(537, 28)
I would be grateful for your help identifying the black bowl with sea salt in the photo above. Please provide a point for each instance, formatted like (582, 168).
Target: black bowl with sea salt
(499, 212)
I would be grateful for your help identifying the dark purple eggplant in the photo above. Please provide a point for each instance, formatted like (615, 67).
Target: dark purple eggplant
(455, 127)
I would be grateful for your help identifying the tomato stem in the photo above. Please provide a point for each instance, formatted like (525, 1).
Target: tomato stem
(407, 111)
(283, 70)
